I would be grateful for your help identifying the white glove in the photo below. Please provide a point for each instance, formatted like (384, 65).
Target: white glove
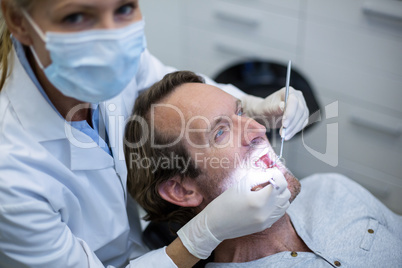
(236, 212)
(270, 110)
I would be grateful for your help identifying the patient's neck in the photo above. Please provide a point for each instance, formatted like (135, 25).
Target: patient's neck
(280, 237)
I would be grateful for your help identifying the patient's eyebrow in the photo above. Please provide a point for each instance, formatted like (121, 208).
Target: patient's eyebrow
(216, 121)
(220, 118)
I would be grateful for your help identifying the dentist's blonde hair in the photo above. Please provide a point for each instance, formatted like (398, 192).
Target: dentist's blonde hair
(5, 39)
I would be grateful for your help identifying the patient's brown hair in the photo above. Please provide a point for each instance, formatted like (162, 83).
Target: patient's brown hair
(143, 180)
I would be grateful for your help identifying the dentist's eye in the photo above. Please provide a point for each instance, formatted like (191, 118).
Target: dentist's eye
(125, 10)
(75, 18)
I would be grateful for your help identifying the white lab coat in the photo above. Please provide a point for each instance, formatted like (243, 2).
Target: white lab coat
(63, 200)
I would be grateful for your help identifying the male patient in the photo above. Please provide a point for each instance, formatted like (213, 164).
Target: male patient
(188, 142)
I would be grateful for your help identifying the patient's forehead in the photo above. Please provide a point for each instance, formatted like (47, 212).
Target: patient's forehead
(191, 105)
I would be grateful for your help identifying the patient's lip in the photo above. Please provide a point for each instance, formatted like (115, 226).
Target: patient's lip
(263, 162)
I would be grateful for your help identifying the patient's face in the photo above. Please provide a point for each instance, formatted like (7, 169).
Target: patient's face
(222, 141)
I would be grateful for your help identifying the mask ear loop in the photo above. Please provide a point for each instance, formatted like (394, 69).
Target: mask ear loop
(36, 57)
(35, 26)
(41, 36)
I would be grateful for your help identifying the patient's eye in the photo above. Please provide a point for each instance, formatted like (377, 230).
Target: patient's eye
(220, 133)
(240, 112)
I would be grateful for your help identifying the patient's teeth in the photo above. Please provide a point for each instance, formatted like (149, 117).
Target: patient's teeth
(264, 152)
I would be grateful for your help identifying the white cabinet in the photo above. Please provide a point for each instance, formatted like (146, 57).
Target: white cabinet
(353, 52)
(355, 57)
(349, 51)
(218, 33)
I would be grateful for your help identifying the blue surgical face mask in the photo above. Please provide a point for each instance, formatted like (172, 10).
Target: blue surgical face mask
(94, 65)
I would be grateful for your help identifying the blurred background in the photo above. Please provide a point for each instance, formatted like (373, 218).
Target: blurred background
(346, 58)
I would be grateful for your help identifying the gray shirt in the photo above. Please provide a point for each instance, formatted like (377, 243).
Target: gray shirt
(342, 223)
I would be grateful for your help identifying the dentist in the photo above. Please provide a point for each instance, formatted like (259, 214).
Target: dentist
(70, 72)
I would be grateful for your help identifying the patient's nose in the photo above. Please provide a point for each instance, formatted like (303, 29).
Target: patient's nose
(252, 131)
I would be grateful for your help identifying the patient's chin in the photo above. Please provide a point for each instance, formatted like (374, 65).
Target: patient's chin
(294, 185)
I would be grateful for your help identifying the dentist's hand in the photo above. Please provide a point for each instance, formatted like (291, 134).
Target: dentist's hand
(270, 110)
(237, 212)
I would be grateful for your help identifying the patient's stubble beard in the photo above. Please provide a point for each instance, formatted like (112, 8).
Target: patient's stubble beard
(294, 185)
(213, 182)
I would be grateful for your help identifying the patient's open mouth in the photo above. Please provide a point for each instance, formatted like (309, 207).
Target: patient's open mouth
(264, 161)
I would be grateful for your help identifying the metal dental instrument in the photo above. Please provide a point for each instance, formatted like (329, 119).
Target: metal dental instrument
(286, 100)
(273, 183)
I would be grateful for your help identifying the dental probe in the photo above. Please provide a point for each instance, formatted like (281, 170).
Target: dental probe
(286, 100)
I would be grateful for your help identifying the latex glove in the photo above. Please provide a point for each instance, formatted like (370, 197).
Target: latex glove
(236, 212)
(270, 110)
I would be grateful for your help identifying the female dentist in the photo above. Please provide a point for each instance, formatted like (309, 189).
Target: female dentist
(70, 71)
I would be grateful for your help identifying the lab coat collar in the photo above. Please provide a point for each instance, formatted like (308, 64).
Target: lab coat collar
(44, 124)
(36, 115)
(115, 113)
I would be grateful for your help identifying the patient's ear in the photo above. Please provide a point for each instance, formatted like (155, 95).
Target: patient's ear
(180, 192)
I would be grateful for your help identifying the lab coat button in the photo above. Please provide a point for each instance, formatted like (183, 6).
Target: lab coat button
(293, 254)
(337, 263)
(370, 231)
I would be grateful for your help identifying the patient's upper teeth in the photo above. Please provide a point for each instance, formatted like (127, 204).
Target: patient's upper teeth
(263, 152)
